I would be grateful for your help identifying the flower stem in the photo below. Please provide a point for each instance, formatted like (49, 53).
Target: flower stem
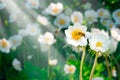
(93, 68)
(107, 65)
(48, 63)
(83, 56)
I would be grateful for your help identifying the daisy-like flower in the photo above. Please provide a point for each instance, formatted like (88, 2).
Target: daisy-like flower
(91, 16)
(33, 29)
(99, 42)
(115, 33)
(32, 4)
(97, 78)
(62, 21)
(43, 20)
(47, 38)
(77, 17)
(15, 41)
(69, 69)
(2, 6)
(103, 13)
(54, 8)
(52, 62)
(5, 46)
(22, 32)
(116, 14)
(16, 64)
(75, 35)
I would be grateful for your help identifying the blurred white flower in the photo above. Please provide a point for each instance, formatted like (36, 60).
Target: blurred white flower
(116, 14)
(99, 42)
(22, 32)
(68, 11)
(114, 72)
(87, 6)
(33, 29)
(32, 4)
(69, 69)
(62, 21)
(54, 8)
(16, 64)
(43, 20)
(115, 33)
(91, 16)
(103, 13)
(2, 6)
(47, 38)
(77, 49)
(44, 47)
(15, 41)
(98, 78)
(12, 17)
(75, 35)
(5, 46)
(29, 57)
(77, 17)
(52, 62)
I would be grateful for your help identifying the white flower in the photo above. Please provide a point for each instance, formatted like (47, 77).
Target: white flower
(116, 14)
(33, 29)
(115, 33)
(12, 17)
(32, 4)
(29, 57)
(114, 72)
(98, 78)
(55, 8)
(62, 21)
(87, 6)
(77, 17)
(91, 16)
(52, 62)
(4, 46)
(47, 38)
(43, 20)
(16, 64)
(2, 6)
(69, 69)
(75, 35)
(68, 11)
(15, 41)
(103, 13)
(99, 42)
(22, 32)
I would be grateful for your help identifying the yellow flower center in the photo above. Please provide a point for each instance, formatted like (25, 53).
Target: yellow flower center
(111, 25)
(4, 43)
(90, 18)
(33, 3)
(62, 22)
(101, 13)
(33, 29)
(118, 14)
(76, 19)
(14, 41)
(71, 69)
(55, 10)
(77, 34)
(99, 44)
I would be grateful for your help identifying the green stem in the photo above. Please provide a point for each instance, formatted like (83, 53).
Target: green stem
(83, 56)
(71, 77)
(93, 68)
(48, 63)
(108, 69)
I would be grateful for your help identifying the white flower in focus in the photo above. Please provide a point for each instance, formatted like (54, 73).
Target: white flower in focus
(77, 17)
(75, 35)
(91, 16)
(69, 69)
(62, 21)
(116, 14)
(98, 78)
(47, 38)
(5, 46)
(16, 64)
(55, 8)
(52, 62)
(2, 6)
(115, 33)
(32, 4)
(43, 20)
(15, 41)
(103, 13)
(99, 42)
(33, 29)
